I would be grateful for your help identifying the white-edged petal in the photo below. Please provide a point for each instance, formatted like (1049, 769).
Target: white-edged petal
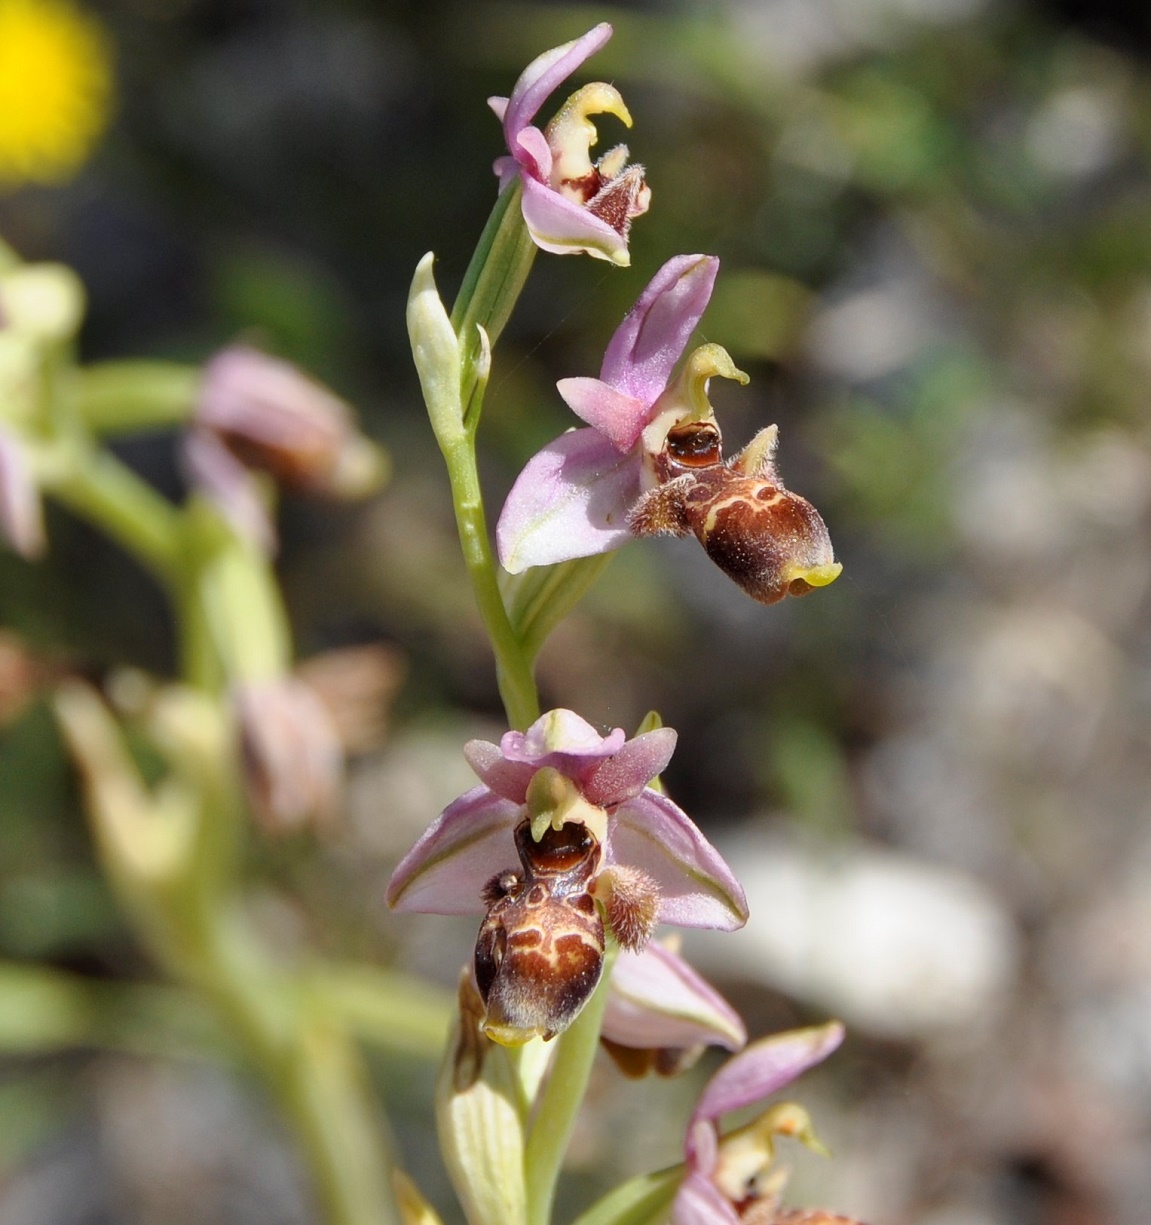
(469, 843)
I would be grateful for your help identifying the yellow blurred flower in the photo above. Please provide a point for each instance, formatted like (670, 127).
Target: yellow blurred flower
(55, 89)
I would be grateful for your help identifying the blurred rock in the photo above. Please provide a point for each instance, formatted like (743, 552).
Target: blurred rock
(894, 945)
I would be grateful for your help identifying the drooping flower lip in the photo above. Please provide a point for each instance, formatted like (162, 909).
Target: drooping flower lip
(573, 496)
(472, 840)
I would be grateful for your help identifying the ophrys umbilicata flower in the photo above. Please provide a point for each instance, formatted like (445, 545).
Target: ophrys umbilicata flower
(564, 821)
(651, 464)
(570, 204)
(724, 1174)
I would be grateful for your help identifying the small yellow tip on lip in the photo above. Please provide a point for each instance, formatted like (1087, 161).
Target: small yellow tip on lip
(511, 1035)
(815, 576)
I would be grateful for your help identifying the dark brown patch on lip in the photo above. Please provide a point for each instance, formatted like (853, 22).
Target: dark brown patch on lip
(539, 952)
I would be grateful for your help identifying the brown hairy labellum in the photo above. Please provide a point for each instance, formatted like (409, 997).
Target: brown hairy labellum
(772, 542)
(539, 952)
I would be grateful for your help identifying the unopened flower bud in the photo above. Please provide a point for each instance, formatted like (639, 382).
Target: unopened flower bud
(42, 302)
(436, 352)
(480, 1125)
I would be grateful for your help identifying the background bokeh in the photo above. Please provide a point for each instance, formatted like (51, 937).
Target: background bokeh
(934, 221)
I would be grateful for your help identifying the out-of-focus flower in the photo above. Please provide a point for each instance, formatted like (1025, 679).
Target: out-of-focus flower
(357, 685)
(21, 515)
(230, 486)
(293, 762)
(24, 676)
(273, 418)
(570, 204)
(593, 841)
(724, 1183)
(55, 90)
(572, 498)
(41, 305)
(661, 1014)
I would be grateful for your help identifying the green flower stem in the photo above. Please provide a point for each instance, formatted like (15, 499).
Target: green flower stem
(190, 920)
(561, 1098)
(110, 495)
(493, 281)
(513, 669)
(279, 1019)
(308, 1062)
(644, 1200)
(119, 397)
(491, 286)
(231, 614)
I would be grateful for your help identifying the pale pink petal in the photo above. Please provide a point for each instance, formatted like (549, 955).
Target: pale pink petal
(564, 227)
(533, 152)
(468, 844)
(620, 418)
(499, 106)
(626, 773)
(646, 346)
(564, 741)
(571, 500)
(697, 888)
(762, 1069)
(544, 74)
(657, 1000)
(562, 733)
(508, 779)
(699, 1202)
(251, 394)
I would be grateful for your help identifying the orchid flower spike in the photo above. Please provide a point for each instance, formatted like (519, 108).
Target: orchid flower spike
(725, 1174)
(563, 842)
(570, 204)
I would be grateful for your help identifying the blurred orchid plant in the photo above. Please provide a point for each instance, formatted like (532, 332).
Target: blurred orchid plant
(568, 849)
